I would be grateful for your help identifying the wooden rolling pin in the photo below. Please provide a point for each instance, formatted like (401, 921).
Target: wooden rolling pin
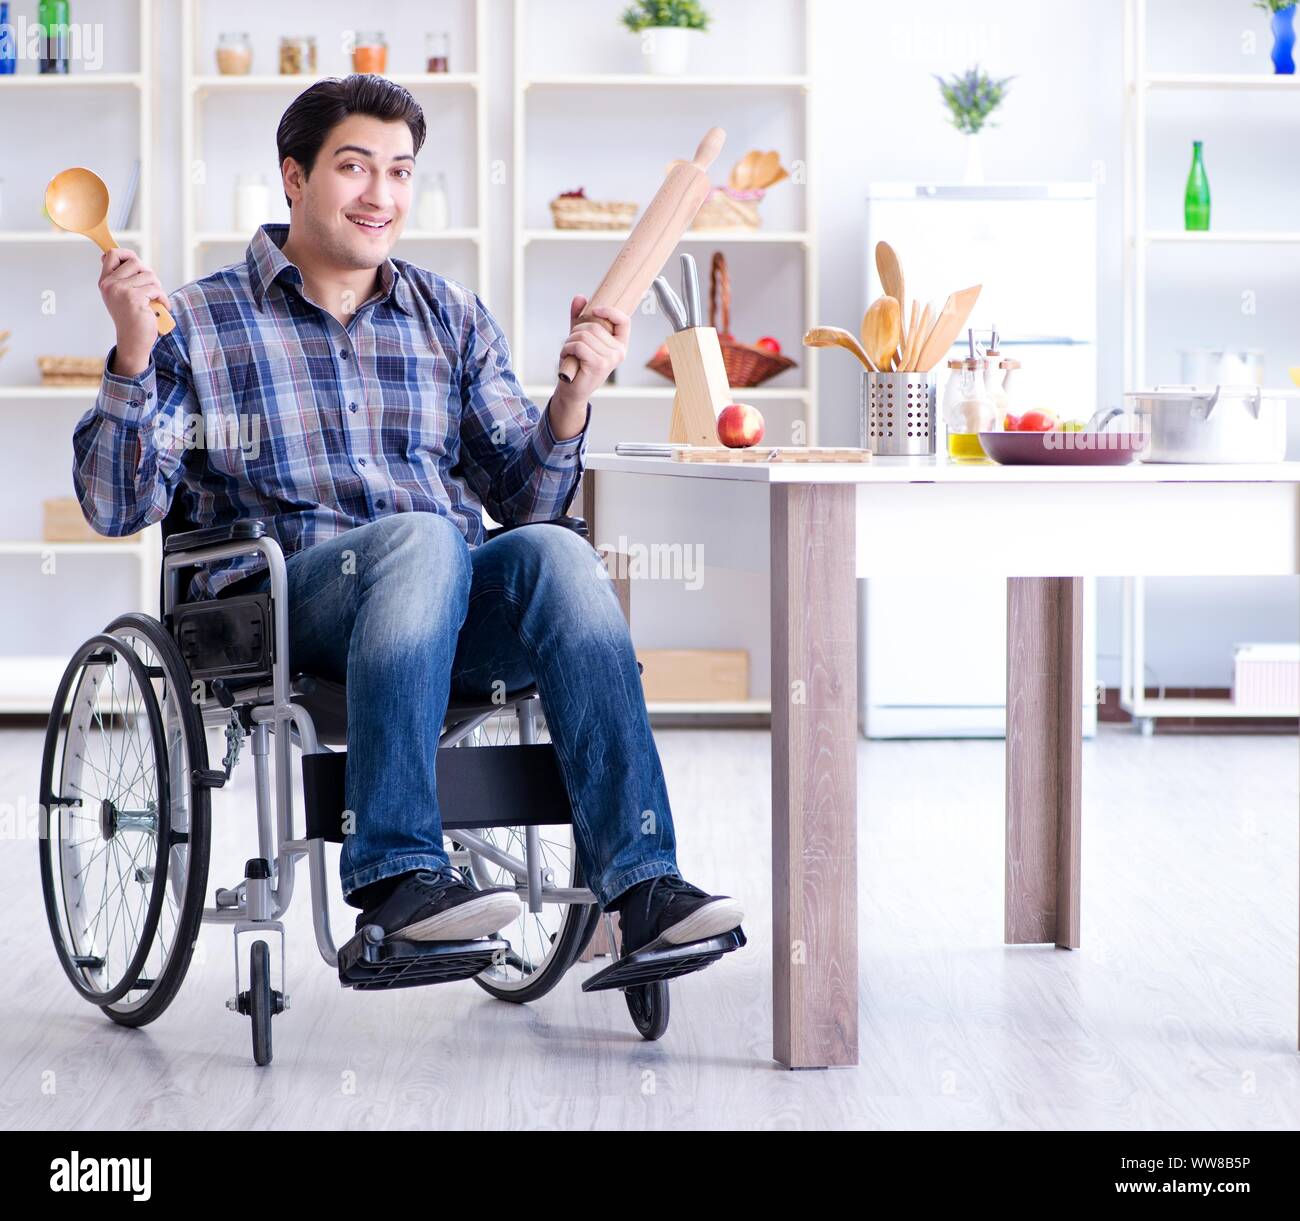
(648, 246)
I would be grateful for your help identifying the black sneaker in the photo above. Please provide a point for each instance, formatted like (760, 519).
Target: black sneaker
(670, 911)
(429, 906)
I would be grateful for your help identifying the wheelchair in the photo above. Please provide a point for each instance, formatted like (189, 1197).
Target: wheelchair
(126, 794)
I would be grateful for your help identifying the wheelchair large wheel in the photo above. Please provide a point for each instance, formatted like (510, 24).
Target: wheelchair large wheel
(125, 846)
(543, 945)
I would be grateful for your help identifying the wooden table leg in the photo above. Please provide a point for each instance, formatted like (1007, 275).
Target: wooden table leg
(600, 945)
(814, 775)
(1044, 759)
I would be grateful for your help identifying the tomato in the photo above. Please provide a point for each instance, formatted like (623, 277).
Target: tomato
(1037, 421)
(1011, 423)
(768, 344)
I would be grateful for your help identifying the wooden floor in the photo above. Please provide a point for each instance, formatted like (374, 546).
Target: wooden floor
(1178, 1012)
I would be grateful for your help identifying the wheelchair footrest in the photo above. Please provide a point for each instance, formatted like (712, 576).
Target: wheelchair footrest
(369, 963)
(650, 965)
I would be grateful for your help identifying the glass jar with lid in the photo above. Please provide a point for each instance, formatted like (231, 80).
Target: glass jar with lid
(234, 54)
(437, 52)
(967, 410)
(297, 55)
(370, 53)
(1000, 386)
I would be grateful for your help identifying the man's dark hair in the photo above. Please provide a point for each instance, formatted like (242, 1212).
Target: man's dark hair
(315, 111)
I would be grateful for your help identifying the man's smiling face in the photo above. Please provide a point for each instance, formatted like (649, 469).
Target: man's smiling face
(353, 204)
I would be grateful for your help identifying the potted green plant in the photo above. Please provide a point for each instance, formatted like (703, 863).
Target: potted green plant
(971, 98)
(667, 29)
(1283, 13)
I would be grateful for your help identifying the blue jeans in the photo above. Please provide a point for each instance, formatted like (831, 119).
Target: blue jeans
(405, 612)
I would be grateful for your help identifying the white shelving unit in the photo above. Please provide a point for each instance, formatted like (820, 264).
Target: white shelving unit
(1138, 240)
(201, 88)
(588, 89)
(800, 88)
(27, 683)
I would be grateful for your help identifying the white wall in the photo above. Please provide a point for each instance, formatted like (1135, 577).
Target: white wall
(879, 119)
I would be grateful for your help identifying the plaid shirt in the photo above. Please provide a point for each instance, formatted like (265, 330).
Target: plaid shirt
(262, 405)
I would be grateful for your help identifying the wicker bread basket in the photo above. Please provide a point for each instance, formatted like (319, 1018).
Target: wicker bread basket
(572, 212)
(747, 366)
(70, 370)
(729, 209)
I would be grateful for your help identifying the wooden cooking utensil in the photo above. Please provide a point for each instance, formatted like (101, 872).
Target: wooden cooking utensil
(660, 228)
(77, 200)
(768, 170)
(922, 329)
(837, 337)
(911, 342)
(891, 278)
(881, 331)
(949, 324)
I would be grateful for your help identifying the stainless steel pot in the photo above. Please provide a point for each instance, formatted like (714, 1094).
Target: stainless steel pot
(1209, 424)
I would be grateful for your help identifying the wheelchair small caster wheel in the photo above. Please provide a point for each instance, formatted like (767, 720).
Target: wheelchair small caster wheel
(648, 1005)
(261, 1001)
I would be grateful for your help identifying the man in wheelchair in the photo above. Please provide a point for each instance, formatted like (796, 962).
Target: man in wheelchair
(378, 415)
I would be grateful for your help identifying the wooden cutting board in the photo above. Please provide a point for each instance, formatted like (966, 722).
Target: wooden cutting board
(770, 453)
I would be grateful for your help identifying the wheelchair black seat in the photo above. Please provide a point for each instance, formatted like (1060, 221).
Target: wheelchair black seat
(326, 702)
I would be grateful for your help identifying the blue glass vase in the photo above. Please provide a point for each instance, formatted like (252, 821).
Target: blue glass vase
(8, 51)
(1284, 41)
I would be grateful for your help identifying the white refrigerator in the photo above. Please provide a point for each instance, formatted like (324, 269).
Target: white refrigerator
(1033, 246)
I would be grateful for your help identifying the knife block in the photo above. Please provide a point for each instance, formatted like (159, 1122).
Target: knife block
(702, 386)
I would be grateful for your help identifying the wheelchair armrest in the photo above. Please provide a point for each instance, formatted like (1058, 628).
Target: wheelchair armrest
(576, 524)
(236, 531)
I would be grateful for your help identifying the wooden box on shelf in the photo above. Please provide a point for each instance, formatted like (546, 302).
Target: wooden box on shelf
(65, 523)
(695, 674)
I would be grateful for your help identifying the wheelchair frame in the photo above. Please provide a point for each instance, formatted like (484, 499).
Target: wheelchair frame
(268, 710)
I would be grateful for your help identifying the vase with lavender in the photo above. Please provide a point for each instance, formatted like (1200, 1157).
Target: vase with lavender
(971, 98)
(1283, 13)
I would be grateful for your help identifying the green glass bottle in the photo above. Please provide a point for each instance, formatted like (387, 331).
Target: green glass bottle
(1196, 205)
(53, 18)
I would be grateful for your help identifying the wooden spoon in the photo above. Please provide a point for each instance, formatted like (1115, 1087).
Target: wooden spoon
(923, 329)
(881, 330)
(837, 337)
(949, 324)
(911, 343)
(744, 171)
(77, 200)
(891, 278)
(768, 170)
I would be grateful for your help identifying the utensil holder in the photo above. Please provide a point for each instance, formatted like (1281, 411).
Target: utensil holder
(898, 413)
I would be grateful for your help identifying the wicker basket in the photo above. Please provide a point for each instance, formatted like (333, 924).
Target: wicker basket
(71, 370)
(575, 213)
(747, 366)
(729, 209)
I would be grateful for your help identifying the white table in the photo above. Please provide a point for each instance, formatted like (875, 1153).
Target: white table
(817, 529)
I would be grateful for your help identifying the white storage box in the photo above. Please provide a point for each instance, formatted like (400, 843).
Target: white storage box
(1267, 676)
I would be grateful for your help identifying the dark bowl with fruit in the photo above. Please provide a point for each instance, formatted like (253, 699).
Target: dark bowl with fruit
(1038, 438)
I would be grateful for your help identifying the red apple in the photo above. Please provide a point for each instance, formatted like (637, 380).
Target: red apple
(740, 426)
(768, 344)
(1037, 421)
